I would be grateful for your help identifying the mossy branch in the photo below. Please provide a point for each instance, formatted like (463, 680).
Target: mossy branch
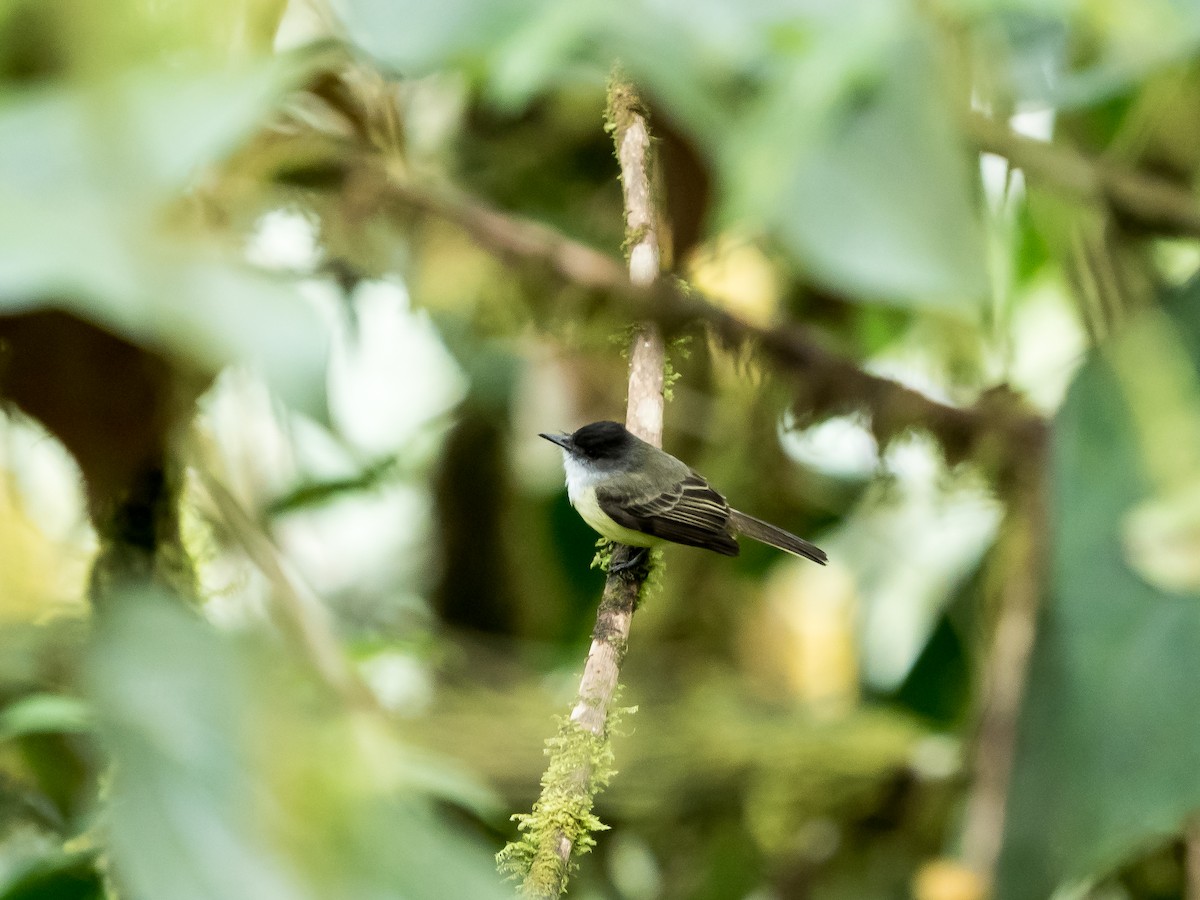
(994, 430)
(563, 815)
(581, 759)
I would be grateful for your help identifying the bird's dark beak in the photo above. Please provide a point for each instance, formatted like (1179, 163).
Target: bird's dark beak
(563, 440)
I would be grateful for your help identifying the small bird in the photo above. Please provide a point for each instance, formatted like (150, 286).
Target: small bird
(633, 493)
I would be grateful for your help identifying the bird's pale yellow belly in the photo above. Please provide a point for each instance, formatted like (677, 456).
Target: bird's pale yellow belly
(587, 507)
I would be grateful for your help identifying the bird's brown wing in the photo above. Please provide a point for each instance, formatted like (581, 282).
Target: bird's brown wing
(690, 513)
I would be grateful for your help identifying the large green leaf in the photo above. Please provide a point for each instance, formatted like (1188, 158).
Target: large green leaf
(235, 777)
(715, 60)
(1109, 746)
(86, 176)
(828, 126)
(870, 185)
(1079, 54)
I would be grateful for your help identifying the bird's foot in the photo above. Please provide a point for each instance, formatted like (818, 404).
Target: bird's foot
(635, 561)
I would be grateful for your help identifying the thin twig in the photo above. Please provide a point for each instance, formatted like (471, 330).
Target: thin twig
(300, 613)
(1022, 569)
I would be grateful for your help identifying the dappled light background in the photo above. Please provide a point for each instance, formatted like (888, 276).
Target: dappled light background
(291, 592)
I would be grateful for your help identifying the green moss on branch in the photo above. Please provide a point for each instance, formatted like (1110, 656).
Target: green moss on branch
(562, 823)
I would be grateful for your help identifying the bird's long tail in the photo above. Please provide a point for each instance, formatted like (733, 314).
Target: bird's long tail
(776, 537)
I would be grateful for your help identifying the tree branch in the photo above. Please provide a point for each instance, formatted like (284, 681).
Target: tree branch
(1151, 201)
(993, 431)
(581, 757)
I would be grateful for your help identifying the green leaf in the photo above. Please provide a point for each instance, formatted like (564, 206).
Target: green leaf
(1109, 740)
(827, 128)
(42, 714)
(140, 137)
(235, 776)
(869, 186)
(85, 181)
(416, 38)
(57, 876)
(1060, 54)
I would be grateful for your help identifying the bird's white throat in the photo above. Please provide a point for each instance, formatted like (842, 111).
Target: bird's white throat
(580, 477)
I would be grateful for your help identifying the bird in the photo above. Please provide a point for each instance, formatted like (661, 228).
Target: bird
(634, 493)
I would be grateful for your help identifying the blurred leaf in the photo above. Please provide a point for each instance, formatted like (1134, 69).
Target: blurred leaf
(1163, 538)
(44, 713)
(869, 186)
(1162, 390)
(1030, 250)
(938, 686)
(171, 695)
(1109, 742)
(1066, 54)
(93, 171)
(518, 49)
(827, 128)
(231, 778)
(416, 38)
(1029, 46)
(317, 493)
(61, 876)
(435, 775)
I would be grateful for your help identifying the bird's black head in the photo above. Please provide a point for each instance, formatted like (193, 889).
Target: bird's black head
(601, 440)
(598, 442)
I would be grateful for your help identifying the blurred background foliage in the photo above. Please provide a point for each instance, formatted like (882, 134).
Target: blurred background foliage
(290, 590)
